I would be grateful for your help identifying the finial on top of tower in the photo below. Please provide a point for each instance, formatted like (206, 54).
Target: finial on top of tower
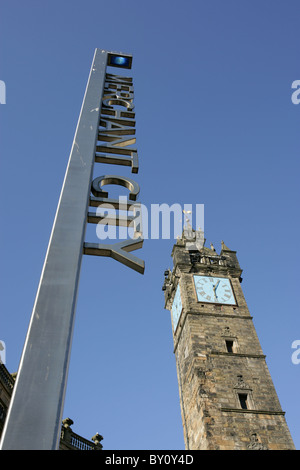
(224, 247)
(187, 220)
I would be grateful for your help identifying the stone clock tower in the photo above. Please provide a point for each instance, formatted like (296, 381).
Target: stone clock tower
(228, 400)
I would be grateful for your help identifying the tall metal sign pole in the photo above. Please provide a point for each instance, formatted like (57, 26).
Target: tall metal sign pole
(35, 413)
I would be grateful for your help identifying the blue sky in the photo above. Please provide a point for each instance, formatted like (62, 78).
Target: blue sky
(215, 126)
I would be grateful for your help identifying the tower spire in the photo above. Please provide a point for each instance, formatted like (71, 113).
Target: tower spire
(224, 247)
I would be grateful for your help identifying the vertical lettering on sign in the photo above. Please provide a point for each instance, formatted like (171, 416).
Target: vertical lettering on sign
(116, 137)
(117, 104)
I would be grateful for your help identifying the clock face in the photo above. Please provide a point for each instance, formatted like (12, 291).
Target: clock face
(176, 307)
(216, 290)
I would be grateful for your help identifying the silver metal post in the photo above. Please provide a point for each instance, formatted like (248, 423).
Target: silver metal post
(35, 413)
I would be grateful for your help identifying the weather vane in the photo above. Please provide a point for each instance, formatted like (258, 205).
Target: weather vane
(187, 220)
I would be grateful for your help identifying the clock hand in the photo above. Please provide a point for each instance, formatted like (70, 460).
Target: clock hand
(215, 288)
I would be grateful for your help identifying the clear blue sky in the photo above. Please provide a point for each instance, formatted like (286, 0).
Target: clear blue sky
(215, 126)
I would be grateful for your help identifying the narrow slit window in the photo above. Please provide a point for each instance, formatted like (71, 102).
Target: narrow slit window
(243, 397)
(229, 346)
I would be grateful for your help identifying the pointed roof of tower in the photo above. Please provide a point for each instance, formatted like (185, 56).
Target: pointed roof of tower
(224, 247)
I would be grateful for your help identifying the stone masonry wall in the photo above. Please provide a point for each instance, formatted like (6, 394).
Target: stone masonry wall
(212, 378)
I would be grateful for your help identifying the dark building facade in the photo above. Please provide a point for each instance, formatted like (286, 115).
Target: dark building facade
(228, 400)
